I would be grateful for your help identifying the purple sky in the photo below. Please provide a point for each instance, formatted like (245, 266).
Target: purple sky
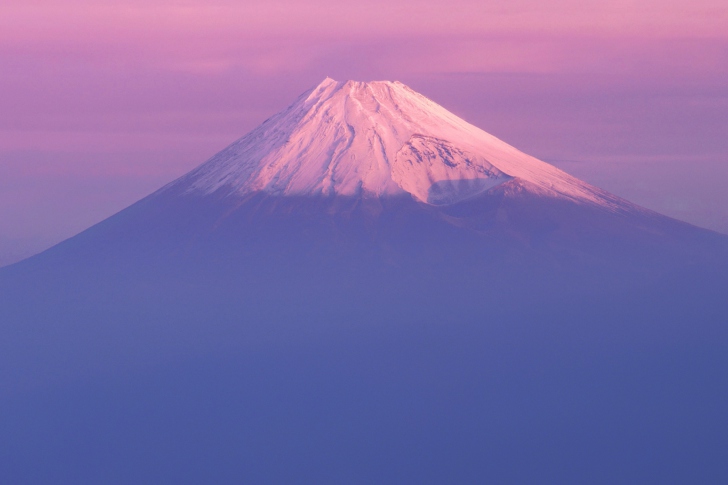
(103, 102)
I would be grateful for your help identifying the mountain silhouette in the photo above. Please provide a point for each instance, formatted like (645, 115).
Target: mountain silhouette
(368, 289)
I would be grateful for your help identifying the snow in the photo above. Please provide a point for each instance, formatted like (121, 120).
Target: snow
(375, 139)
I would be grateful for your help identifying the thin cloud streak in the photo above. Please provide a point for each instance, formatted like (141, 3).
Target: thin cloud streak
(73, 19)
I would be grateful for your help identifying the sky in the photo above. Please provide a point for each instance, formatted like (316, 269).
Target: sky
(101, 103)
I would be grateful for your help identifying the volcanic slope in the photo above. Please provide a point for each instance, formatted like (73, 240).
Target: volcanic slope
(375, 139)
(368, 289)
(378, 170)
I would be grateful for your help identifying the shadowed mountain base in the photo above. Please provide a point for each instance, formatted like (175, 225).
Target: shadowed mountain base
(504, 339)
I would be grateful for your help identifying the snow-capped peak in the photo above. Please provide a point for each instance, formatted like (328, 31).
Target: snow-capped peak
(373, 138)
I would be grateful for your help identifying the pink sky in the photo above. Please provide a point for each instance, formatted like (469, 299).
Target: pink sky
(102, 102)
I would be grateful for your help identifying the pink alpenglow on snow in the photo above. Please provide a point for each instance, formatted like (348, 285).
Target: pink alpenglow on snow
(375, 139)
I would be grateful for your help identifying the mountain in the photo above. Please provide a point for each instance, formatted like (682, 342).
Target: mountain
(367, 288)
(377, 139)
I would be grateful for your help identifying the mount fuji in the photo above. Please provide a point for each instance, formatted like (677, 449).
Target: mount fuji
(367, 288)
